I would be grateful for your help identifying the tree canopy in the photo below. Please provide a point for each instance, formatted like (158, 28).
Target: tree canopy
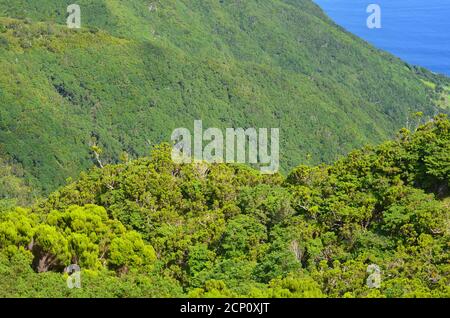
(153, 228)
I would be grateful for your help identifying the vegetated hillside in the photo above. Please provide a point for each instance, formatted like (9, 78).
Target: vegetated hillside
(151, 228)
(13, 187)
(131, 75)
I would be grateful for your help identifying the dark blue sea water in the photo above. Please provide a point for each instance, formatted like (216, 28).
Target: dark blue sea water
(418, 31)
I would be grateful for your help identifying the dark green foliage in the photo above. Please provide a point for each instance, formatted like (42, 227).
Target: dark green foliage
(153, 228)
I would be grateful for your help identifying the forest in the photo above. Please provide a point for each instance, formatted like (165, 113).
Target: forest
(130, 76)
(152, 228)
(359, 209)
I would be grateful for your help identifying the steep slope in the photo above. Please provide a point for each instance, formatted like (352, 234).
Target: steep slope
(132, 75)
(153, 228)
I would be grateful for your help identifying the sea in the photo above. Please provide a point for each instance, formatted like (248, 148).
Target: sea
(417, 31)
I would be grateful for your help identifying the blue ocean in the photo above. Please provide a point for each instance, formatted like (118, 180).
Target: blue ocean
(417, 31)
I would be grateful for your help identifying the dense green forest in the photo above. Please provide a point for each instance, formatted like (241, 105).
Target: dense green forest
(140, 225)
(152, 228)
(131, 75)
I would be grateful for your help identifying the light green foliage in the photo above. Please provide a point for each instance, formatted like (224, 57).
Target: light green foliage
(80, 235)
(73, 99)
(13, 188)
(295, 287)
(130, 250)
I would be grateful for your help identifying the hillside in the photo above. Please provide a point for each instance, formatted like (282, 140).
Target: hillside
(13, 187)
(151, 228)
(132, 75)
